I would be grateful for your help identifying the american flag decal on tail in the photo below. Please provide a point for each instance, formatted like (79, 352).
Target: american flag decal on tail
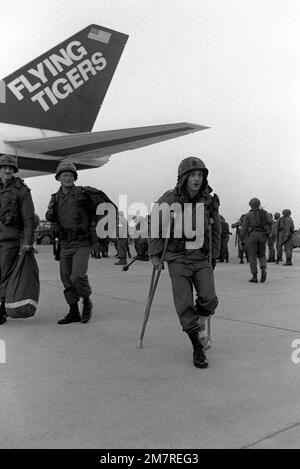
(99, 35)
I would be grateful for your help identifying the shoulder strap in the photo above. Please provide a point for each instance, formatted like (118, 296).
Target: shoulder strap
(266, 225)
(214, 205)
(263, 216)
(18, 183)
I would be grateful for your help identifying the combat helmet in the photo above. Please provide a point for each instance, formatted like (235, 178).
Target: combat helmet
(276, 215)
(66, 166)
(9, 160)
(286, 212)
(254, 203)
(191, 163)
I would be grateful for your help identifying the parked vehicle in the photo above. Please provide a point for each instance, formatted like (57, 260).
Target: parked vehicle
(43, 233)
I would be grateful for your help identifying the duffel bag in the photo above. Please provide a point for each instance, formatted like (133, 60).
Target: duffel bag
(23, 288)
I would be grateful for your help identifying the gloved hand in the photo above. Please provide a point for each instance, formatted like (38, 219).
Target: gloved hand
(156, 262)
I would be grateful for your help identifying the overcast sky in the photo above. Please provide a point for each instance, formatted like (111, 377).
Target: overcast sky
(232, 65)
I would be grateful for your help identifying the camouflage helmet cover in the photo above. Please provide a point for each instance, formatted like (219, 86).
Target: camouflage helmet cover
(9, 160)
(191, 163)
(254, 203)
(66, 166)
(286, 212)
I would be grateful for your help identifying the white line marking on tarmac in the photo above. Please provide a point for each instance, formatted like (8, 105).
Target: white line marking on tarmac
(271, 435)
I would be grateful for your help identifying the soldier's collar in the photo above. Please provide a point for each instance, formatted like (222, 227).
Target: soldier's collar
(7, 183)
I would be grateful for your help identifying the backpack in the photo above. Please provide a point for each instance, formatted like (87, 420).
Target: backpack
(264, 223)
(94, 197)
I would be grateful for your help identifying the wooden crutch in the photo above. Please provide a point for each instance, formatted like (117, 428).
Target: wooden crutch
(153, 285)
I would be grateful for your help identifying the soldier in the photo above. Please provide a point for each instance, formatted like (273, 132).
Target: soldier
(257, 226)
(188, 263)
(241, 246)
(17, 222)
(275, 233)
(271, 241)
(285, 232)
(75, 221)
(104, 246)
(141, 237)
(122, 241)
(224, 253)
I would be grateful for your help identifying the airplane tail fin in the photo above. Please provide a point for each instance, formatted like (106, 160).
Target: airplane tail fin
(64, 88)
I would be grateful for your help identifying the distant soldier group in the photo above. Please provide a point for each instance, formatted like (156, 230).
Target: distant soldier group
(258, 229)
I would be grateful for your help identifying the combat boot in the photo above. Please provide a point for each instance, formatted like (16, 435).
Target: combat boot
(288, 261)
(72, 316)
(2, 314)
(241, 260)
(263, 277)
(87, 310)
(253, 279)
(199, 357)
(121, 262)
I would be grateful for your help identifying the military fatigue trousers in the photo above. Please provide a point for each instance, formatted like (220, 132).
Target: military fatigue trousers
(8, 260)
(122, 248)
(271, 248)
(73, 272)
(224, 253)
(185, 276)
(256, 247)
(288, 248)
(279, 245)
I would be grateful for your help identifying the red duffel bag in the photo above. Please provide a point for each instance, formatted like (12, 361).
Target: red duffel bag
(23, 288)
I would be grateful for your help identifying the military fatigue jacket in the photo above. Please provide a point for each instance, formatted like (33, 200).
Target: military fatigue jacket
(256, 220)
(71, 212)
(17, 219)
(286, 227)
(179, 245)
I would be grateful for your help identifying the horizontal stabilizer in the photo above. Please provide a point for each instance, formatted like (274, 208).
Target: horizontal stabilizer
(99, 144)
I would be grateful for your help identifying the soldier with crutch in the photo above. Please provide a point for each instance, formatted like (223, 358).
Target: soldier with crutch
(194, 213)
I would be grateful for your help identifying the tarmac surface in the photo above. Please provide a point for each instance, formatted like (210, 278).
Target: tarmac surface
(89, 386)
